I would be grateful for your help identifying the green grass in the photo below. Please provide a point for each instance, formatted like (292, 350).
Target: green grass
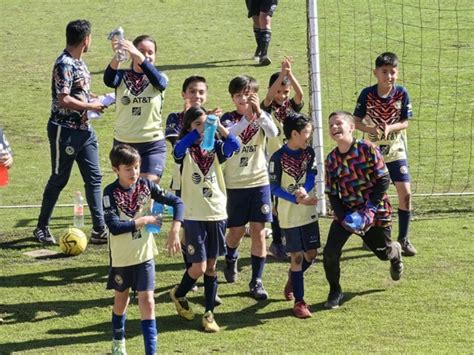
(60, 305)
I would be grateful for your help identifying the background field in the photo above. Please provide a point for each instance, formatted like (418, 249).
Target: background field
(60, 305)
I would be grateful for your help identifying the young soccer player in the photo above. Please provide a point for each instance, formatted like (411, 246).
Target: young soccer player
(261, 12)
(246, 179)
(140, 95)
(132, 248)
(356, 184)
(382, 113)
(71, 136)
(194, 93)
(278, 102)
(292, 178)
(203, 192)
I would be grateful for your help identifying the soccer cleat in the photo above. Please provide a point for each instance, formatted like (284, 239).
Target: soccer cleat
(407, 248)
(230, 270)
(182, 305)
(301, 310)
(44, 236)
(257, 291)
(288, 290)
(268, 233)
(334, 299)
(396, 264)
(118, 347)
(265, 61)
(209, 323)
(278, 251)
(100, 236)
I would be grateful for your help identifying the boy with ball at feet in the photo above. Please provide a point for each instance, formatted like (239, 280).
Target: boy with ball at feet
(292, 173)
(132, 248)
(382, 113)
(356, 184)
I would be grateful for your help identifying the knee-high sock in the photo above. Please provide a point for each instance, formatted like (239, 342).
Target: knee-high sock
(403, 224)
(150, 336)
(210, 291)
(258, 264)
(118, 326)
(186, 284)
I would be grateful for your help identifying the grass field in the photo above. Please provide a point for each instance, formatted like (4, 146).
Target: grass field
(60, 305)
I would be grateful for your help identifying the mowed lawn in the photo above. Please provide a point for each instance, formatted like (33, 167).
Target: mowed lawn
(60, 305)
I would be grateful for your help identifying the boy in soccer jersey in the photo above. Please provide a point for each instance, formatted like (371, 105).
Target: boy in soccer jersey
(132, 248)
(246, 179)
(261, 12)
(292, 178)
(356, 184)
(278, 102)
(71, 137)
(203, 192)
(382, 113)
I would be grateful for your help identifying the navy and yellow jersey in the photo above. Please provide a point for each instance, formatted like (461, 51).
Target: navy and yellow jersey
(70, 77)
(4, 145)
(289, 170)
(280, 113)
(202, 182)
(352, 177)
(139, 103)
(248, 167)
(127, 245)
(395, 108)
(174, 124)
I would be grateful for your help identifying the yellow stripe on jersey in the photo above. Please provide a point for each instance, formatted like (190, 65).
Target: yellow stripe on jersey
(202, 186)
(138, 116)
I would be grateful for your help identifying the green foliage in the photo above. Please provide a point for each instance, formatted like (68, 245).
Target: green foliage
(60, 305)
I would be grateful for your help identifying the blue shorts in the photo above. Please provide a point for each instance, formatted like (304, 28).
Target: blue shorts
(152, 154)
(398, 171)
(248, 205)
(140, 277)
(302, 238)
(204, 240)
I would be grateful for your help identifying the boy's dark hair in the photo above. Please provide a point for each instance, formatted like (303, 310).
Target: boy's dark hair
(295, 122)
(123, 154)
(386, 58)
(193, 79)
(190, 116)
(76, 31)
(142, 38)
(243, 83)
(343, 114)
(274, 78)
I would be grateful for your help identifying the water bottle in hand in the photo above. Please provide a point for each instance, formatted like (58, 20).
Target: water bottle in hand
(119, 34)
(78, 219)
(210, 128)
(157, 212)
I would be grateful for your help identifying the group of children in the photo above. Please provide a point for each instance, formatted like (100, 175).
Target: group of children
(234, 184)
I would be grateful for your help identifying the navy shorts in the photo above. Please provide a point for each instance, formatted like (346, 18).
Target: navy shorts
(249, 205)
(152, 154)
(398, 170)
(302, 238)
(254, 7)
(204, 240)
(140, 277)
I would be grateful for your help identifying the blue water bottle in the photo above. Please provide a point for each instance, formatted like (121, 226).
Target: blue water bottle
(210, 128)
(156, 211)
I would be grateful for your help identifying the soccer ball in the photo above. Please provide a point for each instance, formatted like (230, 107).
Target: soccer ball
(73, 242)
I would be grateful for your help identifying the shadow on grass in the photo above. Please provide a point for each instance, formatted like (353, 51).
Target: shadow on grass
(348, 296)
(228, 63)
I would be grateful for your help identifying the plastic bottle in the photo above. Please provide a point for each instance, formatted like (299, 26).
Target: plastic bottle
(156, 211)
(3, 176)
(78, 219)
(210, 128)
(119, 34)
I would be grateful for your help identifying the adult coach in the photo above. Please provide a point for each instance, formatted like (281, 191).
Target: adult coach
(71, 137)
(261, 12)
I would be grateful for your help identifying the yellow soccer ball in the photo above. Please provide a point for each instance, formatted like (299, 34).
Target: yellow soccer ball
(73, 242)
